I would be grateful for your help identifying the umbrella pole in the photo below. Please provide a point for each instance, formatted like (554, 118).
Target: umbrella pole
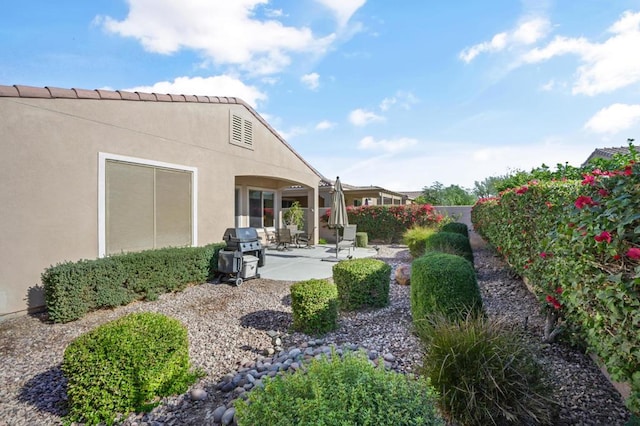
(337, 240)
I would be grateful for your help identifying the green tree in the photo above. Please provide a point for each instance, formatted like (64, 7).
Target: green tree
(439, 195)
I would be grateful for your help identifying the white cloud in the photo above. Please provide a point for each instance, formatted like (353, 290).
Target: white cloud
(228, 33)
(606, 66)
(312, 81)
(527, 32)
(387, 103)
(292, 133)
(360, 117)
(325, 125)
(614, 119)
(459, 164)
(404, 99)
(343, 9)
(391, 146)
(548, 86)
(221, 85)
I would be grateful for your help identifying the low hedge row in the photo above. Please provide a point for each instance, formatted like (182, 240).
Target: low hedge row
(73, 289)
(577, 243)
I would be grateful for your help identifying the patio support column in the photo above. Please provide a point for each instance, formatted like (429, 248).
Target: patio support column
(313, 221)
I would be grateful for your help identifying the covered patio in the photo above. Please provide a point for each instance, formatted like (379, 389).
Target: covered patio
(298, 264)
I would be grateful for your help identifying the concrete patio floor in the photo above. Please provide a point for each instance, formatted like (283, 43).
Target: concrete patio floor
(298, 264)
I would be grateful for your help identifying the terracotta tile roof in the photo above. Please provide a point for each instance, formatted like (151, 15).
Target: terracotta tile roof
(19, 91)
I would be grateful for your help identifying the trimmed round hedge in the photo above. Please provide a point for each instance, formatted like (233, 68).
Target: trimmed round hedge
(443, 283)
(457, 227)
(341, 391)
(362, 283)
(126, 365)
(449, 242)
(315, 306)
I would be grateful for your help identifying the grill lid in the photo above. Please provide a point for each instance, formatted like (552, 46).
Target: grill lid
(240, 235)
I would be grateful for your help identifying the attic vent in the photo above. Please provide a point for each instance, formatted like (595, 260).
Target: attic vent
(241, 131)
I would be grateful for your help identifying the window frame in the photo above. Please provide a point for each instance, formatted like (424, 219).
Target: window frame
(103, 157)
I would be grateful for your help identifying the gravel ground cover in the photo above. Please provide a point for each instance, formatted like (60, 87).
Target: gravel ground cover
(232, 329)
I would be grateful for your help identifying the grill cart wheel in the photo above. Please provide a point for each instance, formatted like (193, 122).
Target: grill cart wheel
(238, 282)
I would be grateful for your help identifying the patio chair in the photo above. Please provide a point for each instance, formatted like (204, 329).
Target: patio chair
(348, 238)
(270, 236)
(305, 240)
(283, 239)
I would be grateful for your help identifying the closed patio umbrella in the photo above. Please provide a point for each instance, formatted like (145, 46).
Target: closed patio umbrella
(338, 216)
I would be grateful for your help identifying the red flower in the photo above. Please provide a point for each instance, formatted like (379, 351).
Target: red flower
(589, 180)
(603, 192)
(553, 301)
(604, 236)
(634, 253)
(583, 201)
(549, 205)
(627, 171)
(522, 190)
(616, 257)
(559, 290)
(543, 255)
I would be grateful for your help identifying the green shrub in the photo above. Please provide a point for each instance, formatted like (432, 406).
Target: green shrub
(345, 391)
(485, 372)
(74, 288)
(362, 239)
(126, 365)
(443, 283)
(415, 238)
(315, 306)
(362, 283)
(457, 227)
(450, 242)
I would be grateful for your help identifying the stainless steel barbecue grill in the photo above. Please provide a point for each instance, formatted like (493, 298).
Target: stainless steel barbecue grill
(242, 256)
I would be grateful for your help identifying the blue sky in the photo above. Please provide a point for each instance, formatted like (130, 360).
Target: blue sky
(394, 94)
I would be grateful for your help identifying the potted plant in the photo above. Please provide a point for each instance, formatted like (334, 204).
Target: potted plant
(295, 215)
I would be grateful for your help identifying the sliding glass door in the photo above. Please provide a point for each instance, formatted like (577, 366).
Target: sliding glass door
(261, 208)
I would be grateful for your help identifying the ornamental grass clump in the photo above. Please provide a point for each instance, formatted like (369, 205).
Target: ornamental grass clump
(450, 242)
(484, 372)
(126, 365)
(314, 304)
(443, 283)
(345, 391)
(415, 238)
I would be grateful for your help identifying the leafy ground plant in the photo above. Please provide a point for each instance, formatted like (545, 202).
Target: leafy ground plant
(343, 391)
(484, 372)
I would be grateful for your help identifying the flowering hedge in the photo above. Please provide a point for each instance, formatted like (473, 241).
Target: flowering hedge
(578, 245)
(388, 223)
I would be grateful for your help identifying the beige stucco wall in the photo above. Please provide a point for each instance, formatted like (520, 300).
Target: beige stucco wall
(49, 174)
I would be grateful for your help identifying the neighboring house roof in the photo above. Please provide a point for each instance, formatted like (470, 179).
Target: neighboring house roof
(345, 186)
(19, 91)
(412, 195)
(607, 152)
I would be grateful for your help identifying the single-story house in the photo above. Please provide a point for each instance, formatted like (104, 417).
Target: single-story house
(90, 173)
(608, 153)
(354, 195)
